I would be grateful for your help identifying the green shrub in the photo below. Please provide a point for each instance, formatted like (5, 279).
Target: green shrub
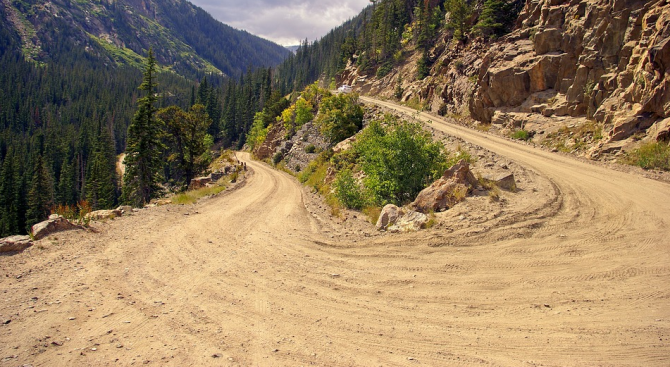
(399, 159)
(347, 190)
(340, 116)
(310, 148)
(521, 135)
(383, 70)
(654, 155)
(277, 158)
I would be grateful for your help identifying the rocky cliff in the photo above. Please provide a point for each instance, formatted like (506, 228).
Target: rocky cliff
(566, 62)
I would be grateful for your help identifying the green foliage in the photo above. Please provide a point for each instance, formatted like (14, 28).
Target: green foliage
(398, 92)
(142, 178)
(41, 194)
(258, 132)
(460, 13)
(102, 182)
(276, 158)
(498, 17)
(384, 70)
(303, 112)
(520, 135)
(310, 149)
(340, 116)
(399, 160)
(422, 66)
(654, 155)
(187, 141)
(348, 191)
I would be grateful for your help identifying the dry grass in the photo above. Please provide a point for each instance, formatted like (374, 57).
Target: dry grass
(192, 196)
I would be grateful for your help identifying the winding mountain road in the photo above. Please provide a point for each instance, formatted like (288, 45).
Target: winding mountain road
(257, 277)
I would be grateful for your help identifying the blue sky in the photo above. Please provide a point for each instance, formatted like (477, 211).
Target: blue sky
(284, 21)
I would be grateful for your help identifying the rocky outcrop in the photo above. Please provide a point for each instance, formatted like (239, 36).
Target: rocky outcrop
(303, 147)
(447, 191)
(274, 138)
(15, 243)
(54, 224)
(565, 62)
(608, 61)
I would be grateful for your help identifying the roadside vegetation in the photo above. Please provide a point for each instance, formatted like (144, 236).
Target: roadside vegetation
(654, 155)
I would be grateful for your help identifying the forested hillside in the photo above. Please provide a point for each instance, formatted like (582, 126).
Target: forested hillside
(184, 37)
(66, 105)
(384, 34)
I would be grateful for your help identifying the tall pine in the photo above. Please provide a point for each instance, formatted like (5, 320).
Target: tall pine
(141, 181)
(41, 194)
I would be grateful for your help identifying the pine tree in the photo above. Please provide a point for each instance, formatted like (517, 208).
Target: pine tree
(40, 196)
(101, 181)
(142, 178)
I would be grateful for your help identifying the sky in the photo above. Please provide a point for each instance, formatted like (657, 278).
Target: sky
(285, 22)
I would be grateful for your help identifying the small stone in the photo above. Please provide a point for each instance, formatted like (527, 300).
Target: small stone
(71, 318)
(6, 321)
(217, 355)
(94, 349)
(275, 350)
(56, 343)
(410, 358)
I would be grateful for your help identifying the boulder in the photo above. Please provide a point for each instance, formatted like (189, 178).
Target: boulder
(43, 229)
(125, 209)
(344, 145)
(215, 176)
(104, 214)
(199, 182)
(15, 243)
(447, 191)
(504, 181)
(410, 222)
(389, 215)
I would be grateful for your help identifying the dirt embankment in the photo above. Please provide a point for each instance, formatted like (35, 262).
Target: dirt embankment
(262, 276)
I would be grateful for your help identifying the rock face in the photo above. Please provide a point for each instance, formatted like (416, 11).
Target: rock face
(59, 224)
(608, 61)
(447, 191)
(575, 60)
(15, 243)
(272, 141)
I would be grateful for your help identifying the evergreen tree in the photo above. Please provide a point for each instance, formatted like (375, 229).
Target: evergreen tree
(142, 178)
(101, 181)
(40, 196)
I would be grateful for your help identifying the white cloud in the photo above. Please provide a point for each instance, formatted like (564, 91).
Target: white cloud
(283, 21)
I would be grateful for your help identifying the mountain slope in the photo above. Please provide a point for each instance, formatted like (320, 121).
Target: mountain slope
(185, 38)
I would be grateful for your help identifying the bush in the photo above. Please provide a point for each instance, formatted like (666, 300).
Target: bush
(384, 70)
(399, 160)
(310, 148)
(521, 135)
(277, 158)
(340, 116)
(347, 190)
(651, 156)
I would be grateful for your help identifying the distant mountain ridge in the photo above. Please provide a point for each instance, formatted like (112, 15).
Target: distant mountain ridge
(185, 38)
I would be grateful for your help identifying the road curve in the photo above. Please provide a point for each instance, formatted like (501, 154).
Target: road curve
(254, 278)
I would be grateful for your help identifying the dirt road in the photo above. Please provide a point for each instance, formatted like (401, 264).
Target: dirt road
(260, 277)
